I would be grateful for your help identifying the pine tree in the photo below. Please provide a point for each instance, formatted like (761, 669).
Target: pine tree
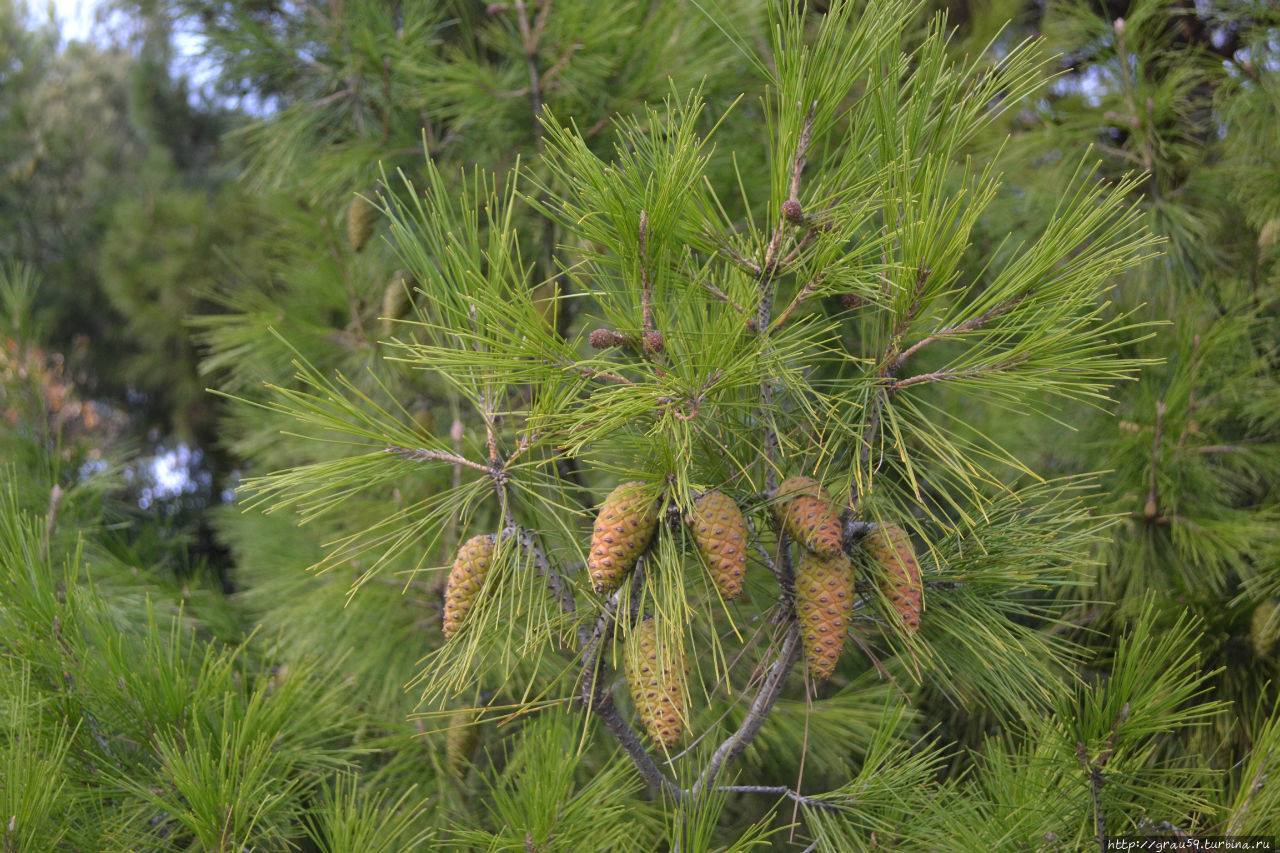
(721, 307)
(691, 252)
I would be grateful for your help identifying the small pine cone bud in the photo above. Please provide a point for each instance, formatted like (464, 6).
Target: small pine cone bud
(622, 531)
(460, 742)
(890, 547)
(465, 581)
(824, 604)
(655, 685)
(361, 217)
(652, 342)
(605, 338)
(1264, 628)
(852, 300)
(720, 534)
(805, 510)
(1151, 509)
(396, 301)
(753, 325)
(792, 211)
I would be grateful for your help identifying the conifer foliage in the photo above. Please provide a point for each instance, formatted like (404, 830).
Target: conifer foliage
(644, 413)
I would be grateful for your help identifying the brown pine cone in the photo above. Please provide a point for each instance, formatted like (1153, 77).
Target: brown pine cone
(890, 547)
(806, 512)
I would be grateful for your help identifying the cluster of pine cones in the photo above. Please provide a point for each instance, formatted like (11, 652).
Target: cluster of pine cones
(824, 579)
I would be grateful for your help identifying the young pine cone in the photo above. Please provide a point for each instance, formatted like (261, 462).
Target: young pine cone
(805, 510)
(1264, 628)
(890, 547)
(824, 603)
(655, 688)
(465, 580)
(720, 533)
(460, 742)
(623, 529)
(361, 217)
(397, 300)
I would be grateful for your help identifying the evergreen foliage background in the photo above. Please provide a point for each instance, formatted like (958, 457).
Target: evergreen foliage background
(1027, 311)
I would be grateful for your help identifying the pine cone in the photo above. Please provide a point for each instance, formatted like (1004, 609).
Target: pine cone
(1264, 629)
(805, 510)
(623, 529)
(720, 533)
(361, 217)
(656, 690)
(460, 742)
(891, 548)
(396, 301)
(824, 603)
(465, 580)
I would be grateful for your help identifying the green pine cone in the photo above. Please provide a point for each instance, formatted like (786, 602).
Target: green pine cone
(361, 218)
(622, 531)
(397, 300)
(656, 690)
(460, 742)
(465, 580)
(1264, 628)
(720, 534)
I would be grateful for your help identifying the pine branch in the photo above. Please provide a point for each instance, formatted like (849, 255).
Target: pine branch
(1152, 508)
(1097, 778)
(530, 36)
(952, 375)
(890, 363)
(423, 454)
(732, 747)
(1255, 785)
(801, 295)
(780, 791)
(646, 286)
(596, 699)
(967, 326)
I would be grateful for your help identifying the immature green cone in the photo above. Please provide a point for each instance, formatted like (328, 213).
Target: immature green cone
(805, 510)
(720, 533)
(824, 603)
(465, 580)
(396, 301)
(656, 689)
(891, 548)
(623, 529)
(361, 217)
(1264, 629)
(460, 742)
